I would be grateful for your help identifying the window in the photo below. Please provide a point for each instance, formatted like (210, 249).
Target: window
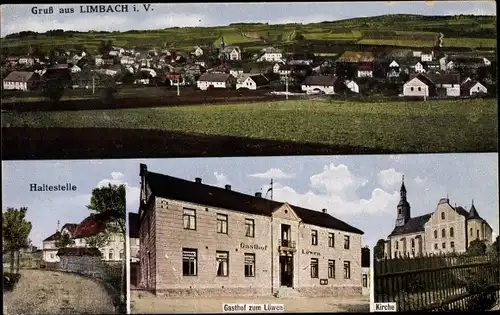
(419, 89)
(222, 263)
(249, 265)
(443, 245)
(435, 234)
(331, 269)
(412, 242)
(189, 219)
(399, 211)
(470, 231)
(249, 227)
(52, 256)
(346, 241)
(331, 240)
(477, 234)
(121, 254)
(314, 237)
(435, 246)
(451, 232)
(221, 223)
(314, 267)
(347, 270)
(412, 89)
(443, 233)
(452, 244)
(110, 255)
(397, 245)
(189, 261)
(365, 281)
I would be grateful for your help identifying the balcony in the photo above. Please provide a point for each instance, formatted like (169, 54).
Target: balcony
(287, 245)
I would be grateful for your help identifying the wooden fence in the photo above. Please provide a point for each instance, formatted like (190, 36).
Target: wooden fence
(451, 282)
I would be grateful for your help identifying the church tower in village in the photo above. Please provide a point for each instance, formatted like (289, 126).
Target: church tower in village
(403, 207)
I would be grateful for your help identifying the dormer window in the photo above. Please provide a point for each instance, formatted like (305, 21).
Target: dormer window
(442, 216)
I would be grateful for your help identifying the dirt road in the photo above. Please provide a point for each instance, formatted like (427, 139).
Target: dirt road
(142, 302)
(48, 292)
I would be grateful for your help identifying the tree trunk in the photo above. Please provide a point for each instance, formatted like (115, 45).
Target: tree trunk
(12, 262)
(18, 258)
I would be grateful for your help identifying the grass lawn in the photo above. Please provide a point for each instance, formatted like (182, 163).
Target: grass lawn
(436, 126)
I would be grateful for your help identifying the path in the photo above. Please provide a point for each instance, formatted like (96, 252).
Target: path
(49, 292)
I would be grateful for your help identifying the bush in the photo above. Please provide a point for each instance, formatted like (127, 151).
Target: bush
(10, 280)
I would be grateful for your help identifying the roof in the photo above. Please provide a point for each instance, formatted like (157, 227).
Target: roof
(79, 251)
(229, 49)
(271, 50)
(71, 227)
(53, 237)
(179, 189)
(214, 77)
(356, 56)
(469, 84)
(90, 226)
(365, 66)
(444, 78)
(413, 225)
(259, 79)
(423, 78)
(133, 225)
(19, 76)
(473, 213)
(324, 80)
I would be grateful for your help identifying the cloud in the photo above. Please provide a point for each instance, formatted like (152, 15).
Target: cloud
(338, 193)
(420, 181)
(389, 178)
(274, 173)
(221, 179)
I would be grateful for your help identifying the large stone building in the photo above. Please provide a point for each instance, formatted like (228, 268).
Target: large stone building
(447, 229)
(200, 239)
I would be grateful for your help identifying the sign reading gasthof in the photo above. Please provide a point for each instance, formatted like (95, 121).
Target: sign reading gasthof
(385, 307)
(252, 308)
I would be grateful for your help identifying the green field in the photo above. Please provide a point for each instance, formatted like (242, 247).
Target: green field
(398, 30)
(433, 126)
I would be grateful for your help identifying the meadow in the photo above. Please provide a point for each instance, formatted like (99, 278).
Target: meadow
(412, 31)
(432, 126)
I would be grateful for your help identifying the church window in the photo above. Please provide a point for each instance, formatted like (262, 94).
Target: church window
(477, 234)
(399, 211)
(412, 242)
(397, 245)
(451, 232)
(442, 215)
(470, 231)
(436, 233)
(444, 245)
(443, 233)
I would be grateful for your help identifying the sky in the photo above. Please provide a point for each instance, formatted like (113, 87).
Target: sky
(161, 16)
(360, 190)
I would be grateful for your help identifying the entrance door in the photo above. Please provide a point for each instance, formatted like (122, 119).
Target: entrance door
(286, 271)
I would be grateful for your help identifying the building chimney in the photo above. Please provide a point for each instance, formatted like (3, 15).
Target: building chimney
(323, 210)
(197, 180)
(228, 187)
(258, 194)
(143, 169)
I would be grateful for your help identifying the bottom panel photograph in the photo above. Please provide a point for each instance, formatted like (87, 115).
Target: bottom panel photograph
(63, 238)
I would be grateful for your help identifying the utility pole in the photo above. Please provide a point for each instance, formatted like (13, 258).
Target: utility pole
(286, 88)
(178, 83)
(272, 181)
(93, 82)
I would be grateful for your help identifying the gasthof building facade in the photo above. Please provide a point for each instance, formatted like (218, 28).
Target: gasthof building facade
(206, 240)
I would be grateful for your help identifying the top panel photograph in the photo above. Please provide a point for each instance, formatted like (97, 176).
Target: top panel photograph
(212, 79)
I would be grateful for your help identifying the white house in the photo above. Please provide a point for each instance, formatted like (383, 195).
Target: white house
(320, 83)
(98, 60)
(277, 66)
(419, 85)
(127, 60)
(427, 56)
(198, 51)
(252, 82)
(215, 80)
(270, 54)
(232, 52)
(450, 65)
(442, 62)
(470, 87)
(419, 67)
(152, 73)
(365, 70)
(351, 85)
(449, 84)
(75, 69)
(28, 61)
(21, 80)
(486, 62)
(394, 69)
(235, 72)
(49, 248)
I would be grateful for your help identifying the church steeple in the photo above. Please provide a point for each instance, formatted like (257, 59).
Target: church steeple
(403, 215)
(473, 212)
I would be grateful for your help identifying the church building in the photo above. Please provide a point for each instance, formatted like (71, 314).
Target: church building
(447, 229)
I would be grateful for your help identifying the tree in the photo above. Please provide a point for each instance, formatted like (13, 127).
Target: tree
(108, 206)
(15, 232)
(64, 241)
(54, 90)
(378, 250)
(477, 248)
